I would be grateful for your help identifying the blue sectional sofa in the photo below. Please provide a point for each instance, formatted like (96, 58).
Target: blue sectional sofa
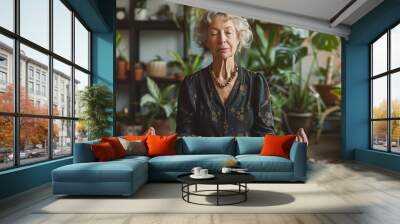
(125, 176)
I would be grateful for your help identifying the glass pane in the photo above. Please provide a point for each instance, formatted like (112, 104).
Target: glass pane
(379, 55)
(6, 74)
(34, 97)
(395, 94)
(62, 89)
(81, 45)
(395, 47)
(62, 138)
(7, 14)
(62, 29)
(379, 135)
(81, 131)
(395, 136)
(379, 98)
(81, 81)
(35, 21)
(6, 142)
(33, 139)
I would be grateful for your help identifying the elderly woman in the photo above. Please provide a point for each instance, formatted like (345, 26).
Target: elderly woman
(225, 99)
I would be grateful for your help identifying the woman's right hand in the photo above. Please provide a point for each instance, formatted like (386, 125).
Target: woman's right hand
(150, 131)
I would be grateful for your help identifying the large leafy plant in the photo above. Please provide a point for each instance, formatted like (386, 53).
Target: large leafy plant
(96, 102)
(330, 44)
(160, 104)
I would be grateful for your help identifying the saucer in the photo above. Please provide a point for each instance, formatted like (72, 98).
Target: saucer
(208, 176)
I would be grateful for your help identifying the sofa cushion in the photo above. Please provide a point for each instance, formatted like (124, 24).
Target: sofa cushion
(103, 151)
(111, 171)
(161, 145)
(133, 147)
(206, 145)
(277, 145)
(249, 145)
(257, 163)
(116, 145)
(185, 163)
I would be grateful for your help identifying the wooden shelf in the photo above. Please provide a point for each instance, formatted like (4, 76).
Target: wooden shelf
(123, 24)
(158, 25)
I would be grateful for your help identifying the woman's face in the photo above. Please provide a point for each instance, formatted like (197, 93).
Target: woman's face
(222, 38)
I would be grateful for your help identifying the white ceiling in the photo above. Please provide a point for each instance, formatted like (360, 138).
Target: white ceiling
(314, 15)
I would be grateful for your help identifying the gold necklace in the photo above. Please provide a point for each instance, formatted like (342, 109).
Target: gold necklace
(220, 85)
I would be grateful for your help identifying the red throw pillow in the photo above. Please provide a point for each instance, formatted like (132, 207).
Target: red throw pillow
(103, 151)
(116, 145)
(161, 145)
(277, 145)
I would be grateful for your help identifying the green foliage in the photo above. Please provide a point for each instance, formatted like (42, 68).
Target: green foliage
(118, 41)
(189, 66)
(97, 104)
(160, 103)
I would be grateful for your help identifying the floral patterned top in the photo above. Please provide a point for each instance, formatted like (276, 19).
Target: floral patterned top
(247, 111)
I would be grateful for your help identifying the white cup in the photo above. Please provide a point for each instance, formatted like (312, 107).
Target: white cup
(203, 172)
(226, 170)
(196, 170)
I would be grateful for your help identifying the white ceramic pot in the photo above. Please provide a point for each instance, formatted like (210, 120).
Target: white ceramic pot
(140, 14)
(157, 68)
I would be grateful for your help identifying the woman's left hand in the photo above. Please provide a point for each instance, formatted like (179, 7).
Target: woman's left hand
(301, 136)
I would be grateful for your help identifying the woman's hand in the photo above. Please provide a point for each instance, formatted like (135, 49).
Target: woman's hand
(301, 136)
(150, 131)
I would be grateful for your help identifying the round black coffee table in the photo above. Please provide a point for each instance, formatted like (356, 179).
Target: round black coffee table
(238, 179)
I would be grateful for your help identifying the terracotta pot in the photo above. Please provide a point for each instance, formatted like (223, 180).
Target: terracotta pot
(122, 69)
(179, 76)
(162, 127)
(138, 74)
(325, 91)
(300, 120)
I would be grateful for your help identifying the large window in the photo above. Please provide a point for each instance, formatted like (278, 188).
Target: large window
(385, 95)
(44, 64)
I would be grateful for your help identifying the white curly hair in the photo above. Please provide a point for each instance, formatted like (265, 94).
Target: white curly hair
(241, 25)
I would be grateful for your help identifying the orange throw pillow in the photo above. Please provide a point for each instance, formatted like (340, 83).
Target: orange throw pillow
(103, 151)
(116, 145)
(135, 137)
(161, 145)
(277, 145)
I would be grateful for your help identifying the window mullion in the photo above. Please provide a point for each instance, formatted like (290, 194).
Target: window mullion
(50, 81)
(389, 106)
(73, 82)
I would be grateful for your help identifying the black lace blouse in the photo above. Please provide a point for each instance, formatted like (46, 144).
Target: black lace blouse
(247, 111)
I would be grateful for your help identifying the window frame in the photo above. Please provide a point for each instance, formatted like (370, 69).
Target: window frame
(388, 74)
(16, 114)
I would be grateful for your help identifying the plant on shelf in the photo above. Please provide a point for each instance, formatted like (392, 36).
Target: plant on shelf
(190, 65)
(160, 107)
(96, 102)
(122, 63)
(139, 70)
(140, 10)
(157, 67)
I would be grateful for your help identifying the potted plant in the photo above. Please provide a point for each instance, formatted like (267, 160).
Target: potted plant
(274, 52)
(96, 102)
(160, 106)
(326, 75)
(122, 63)
(157, 67)
(140, 10)
(187, 66)
(139, 71)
